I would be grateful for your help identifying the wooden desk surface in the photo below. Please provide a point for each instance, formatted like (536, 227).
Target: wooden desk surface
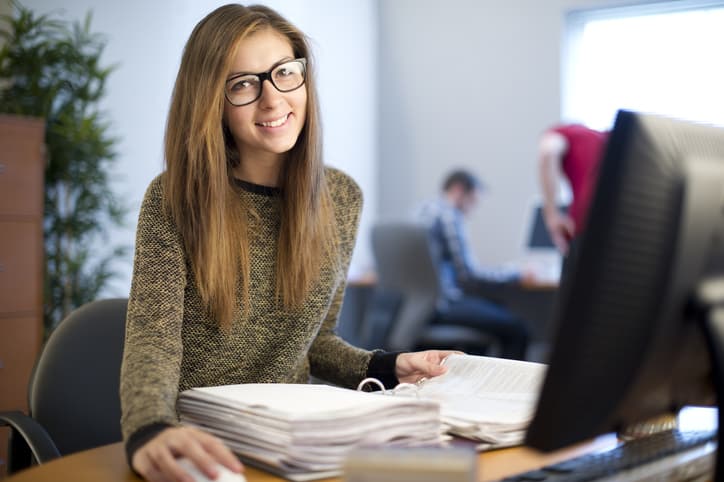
(108, 464)
(532, 284)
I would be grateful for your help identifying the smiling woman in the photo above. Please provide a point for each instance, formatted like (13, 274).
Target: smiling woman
(265, 123)
(243, 244)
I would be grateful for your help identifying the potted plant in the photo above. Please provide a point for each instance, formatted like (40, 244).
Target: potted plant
(52, 69)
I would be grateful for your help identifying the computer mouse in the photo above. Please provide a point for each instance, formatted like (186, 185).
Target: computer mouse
(225, 475)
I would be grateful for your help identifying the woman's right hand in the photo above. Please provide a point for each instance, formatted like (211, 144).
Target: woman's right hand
(156, 460)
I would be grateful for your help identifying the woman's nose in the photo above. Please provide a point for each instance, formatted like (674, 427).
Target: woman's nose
(270, 96)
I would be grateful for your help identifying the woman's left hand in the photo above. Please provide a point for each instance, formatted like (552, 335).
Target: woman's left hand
(413, 367)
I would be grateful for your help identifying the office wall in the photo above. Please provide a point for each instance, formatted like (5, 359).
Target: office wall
(146, 39)
(469, 83)
(409, 89)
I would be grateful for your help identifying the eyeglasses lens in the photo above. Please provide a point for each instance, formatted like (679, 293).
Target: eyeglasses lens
(285, 77)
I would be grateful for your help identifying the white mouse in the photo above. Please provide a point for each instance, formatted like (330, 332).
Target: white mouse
(225, 475)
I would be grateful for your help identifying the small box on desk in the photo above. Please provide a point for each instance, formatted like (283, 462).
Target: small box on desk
(411, 465)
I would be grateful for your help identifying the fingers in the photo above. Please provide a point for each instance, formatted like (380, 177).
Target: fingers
(411, 367)
(429, 369)
(157, 460)
(560, 237)
(446, 353)
(143, 464)
(407, 367)
(569, 225)
(168, 466)
(561, 243)
(220, 452)
(561, 229)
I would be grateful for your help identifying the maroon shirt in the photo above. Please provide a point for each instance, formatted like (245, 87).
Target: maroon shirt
(580, 165)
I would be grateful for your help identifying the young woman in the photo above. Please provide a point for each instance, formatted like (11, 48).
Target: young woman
(243, 244)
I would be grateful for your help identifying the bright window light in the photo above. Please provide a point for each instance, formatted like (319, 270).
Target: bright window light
(662, 58)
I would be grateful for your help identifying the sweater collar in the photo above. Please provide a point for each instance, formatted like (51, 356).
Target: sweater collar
(258, 188)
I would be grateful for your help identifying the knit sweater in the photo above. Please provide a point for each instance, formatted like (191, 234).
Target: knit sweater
(173, 343)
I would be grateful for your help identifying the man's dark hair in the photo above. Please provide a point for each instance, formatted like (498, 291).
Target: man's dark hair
(464, 178)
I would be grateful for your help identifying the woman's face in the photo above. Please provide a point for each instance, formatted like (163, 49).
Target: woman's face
(268, 127)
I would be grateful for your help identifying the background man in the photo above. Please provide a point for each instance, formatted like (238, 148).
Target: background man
(465, 284)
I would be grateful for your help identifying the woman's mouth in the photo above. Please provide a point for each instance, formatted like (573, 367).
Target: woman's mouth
(275, 123)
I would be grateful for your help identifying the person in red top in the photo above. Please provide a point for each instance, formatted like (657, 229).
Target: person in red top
(575, 150)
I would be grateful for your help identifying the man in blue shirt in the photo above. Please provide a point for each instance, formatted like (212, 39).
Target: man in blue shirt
(467, 287)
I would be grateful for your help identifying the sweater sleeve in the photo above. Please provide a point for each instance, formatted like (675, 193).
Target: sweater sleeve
(153, 346)
(330, 357)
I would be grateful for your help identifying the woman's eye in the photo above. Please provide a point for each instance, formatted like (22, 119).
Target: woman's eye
(239, 85)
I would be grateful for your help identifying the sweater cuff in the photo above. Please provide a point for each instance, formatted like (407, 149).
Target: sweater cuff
(139, 438)
(382, 367)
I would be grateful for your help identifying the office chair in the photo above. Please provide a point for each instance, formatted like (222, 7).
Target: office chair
(73, 393)
(409, 282)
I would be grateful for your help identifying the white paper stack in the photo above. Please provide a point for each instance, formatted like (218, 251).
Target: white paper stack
(491, 400)
(304, 432)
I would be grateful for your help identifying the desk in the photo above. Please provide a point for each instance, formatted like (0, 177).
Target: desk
(534, 302)
(108, 464)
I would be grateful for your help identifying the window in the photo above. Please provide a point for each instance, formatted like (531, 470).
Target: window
(664, 58)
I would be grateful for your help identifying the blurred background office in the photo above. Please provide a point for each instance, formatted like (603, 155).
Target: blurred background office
(411, 88)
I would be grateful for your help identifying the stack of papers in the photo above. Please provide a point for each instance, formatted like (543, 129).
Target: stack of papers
(304, 432)
(491, 400)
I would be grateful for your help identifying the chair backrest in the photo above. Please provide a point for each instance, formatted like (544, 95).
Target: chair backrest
(74, 390)
(404, 264)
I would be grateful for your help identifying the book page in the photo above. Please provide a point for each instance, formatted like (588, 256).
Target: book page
(478, 389)
(300, 402)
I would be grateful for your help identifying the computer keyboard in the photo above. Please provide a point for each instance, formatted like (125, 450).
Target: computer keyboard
(669, 455)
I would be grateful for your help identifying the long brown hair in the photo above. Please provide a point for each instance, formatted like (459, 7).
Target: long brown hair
(200, 155)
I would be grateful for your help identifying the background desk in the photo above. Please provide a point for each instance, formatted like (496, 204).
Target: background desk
(108, 464)
(361, 311)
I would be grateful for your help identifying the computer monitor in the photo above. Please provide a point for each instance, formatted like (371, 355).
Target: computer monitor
(539, 236)
(633, 331)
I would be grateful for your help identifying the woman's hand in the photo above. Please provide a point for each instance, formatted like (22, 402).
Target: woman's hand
(413, 367)
(156, 460)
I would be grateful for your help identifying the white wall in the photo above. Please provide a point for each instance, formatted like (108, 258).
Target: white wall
(146, 39)
(469, 83)
(438, 84)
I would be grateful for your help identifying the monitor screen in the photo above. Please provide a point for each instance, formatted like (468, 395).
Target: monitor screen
(539, 236)
(629, 346)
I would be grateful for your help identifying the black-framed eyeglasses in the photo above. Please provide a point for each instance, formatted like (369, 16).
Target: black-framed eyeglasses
(286, 76)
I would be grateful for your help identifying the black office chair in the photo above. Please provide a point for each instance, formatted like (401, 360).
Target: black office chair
(74, 389)
(409, 283)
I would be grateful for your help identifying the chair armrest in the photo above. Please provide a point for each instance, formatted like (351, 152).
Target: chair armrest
(34, 436)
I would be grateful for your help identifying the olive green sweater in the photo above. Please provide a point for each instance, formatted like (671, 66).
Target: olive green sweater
(172, 343)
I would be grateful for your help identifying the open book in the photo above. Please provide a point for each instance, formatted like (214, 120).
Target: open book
(304, 432)
(491, 400)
